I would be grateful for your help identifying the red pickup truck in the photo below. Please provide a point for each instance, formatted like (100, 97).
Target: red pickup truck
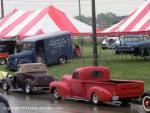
(93, 84)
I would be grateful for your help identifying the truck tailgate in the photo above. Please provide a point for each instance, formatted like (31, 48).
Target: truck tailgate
(133, 89)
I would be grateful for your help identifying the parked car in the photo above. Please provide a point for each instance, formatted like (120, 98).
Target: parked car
(146, 101)
(7, 48)
(142, 48)
(30, 77)
(4, 105)
(110, 42)
(94, 84)
(46, 48)
(127, 43)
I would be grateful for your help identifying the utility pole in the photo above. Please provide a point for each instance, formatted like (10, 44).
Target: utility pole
(2, 9)
(79, 10)
(94, 38)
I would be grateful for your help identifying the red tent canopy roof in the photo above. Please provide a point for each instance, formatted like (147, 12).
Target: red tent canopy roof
(47, 20)
(137, 22)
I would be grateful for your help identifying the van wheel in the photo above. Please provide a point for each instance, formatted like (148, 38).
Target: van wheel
(28, 88)
(62, 60)
(5, 86)
(55, 94)
(146, 103)
(2, 61)
(95, 99)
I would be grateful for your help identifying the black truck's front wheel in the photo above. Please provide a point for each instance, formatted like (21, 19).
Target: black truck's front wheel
(28, 88)
(5, 86)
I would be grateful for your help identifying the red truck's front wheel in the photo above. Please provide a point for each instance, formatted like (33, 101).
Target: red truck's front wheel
(56, 94)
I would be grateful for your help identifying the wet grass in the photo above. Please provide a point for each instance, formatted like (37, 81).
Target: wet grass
(121, 66)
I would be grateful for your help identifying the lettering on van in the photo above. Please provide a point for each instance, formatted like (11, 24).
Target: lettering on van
(59, 43)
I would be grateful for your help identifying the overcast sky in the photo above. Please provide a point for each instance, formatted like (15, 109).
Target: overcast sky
(120, 7)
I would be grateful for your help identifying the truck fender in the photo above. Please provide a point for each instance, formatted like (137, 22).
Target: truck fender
(63, 88)
(104, 95)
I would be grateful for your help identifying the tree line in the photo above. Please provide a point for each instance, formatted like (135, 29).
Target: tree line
(103, 20)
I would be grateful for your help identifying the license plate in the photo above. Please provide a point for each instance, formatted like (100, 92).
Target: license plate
(115, 97)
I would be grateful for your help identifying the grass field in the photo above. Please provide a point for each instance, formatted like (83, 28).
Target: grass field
(121, 67)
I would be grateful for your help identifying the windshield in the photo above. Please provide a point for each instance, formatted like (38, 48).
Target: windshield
(27, 46)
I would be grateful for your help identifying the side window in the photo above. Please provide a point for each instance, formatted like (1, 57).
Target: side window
(96, 74)
(76, 75)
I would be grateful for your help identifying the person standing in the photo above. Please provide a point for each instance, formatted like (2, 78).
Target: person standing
(77, 51)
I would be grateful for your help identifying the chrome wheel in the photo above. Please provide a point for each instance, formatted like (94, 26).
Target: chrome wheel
(146, 103)
(95, 99)
(28, 88)
(5, 86)
(55, 94)
(62, 60)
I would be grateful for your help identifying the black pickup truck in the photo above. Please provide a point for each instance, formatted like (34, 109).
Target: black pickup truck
(30, 77)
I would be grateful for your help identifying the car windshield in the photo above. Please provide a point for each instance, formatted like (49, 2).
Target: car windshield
(132, 39)
(27, 46)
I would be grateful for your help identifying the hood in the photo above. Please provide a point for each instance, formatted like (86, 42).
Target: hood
(40, 75)
(22, 54)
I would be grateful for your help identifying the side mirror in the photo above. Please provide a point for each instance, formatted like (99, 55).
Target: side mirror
(5, 108)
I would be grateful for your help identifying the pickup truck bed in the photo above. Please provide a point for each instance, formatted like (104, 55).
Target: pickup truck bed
(122, 88)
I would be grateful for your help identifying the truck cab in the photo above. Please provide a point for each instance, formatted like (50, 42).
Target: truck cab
(46, 48)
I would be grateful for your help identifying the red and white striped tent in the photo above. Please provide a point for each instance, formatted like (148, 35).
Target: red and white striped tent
(47, 20)
(136, 23)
